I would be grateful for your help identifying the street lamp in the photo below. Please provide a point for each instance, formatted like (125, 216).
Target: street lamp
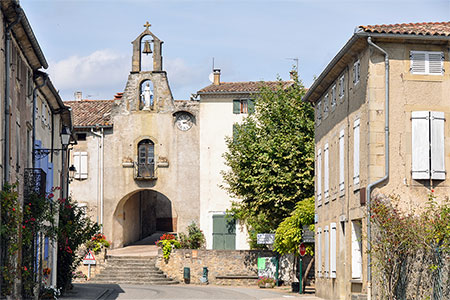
(65, 136)
(72, 171)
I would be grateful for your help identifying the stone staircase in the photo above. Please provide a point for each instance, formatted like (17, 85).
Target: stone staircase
(138, 270)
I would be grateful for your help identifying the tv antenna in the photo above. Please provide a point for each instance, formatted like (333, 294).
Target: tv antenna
(211, 76)
(296, 61)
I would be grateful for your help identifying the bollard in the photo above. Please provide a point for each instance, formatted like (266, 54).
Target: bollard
(187, 275)
(205, 275)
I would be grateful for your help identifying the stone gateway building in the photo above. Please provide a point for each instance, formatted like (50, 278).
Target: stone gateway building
(137, 157)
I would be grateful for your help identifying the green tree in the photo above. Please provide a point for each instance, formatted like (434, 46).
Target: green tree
(271, 159)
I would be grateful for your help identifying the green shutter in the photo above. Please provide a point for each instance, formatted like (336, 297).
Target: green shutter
(224, 233)
(236, 106)
(251, 106)
(235, 131)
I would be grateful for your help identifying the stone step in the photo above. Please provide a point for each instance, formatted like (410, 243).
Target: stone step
(127, 267)
(167, 282)
(126, 280)
(118, 275)
(132, 272)
(109, 257)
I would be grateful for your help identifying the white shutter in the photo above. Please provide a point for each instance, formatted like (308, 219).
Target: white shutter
(356, 250)
(420, 145)
(333, 249)
(319, 251)
(83, 165)
(319, 177)
(341, 160)
(76, 163)
(326, 179)
(356, 126)
(417, 62)
(326, 237)
(435, 63)
(437, 145)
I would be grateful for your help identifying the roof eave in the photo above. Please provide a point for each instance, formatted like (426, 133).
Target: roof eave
(351, 42)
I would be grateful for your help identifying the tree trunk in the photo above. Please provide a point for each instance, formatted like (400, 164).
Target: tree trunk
(308, 268)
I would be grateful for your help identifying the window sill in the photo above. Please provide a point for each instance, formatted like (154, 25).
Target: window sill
(356, 280)
(145, 178)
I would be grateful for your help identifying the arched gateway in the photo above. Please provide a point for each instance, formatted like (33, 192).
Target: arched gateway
(140, 214)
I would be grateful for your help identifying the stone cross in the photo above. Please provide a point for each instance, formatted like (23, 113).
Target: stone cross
(147, 25)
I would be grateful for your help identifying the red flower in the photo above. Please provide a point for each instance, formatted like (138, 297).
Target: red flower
(23, 226)
(51, 195)
(29, 204)
(25, 268)
(432, 190)
(14, 209)
(32, 219)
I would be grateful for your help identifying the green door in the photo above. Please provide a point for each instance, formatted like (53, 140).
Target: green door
(224, 233)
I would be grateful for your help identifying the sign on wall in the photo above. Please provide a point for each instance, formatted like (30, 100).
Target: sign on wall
(265, 238)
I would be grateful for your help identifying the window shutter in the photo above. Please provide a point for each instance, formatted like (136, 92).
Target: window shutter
(76, 163)
(437, 145)
(327, 251)
(319, 111)
(319, 177)
(235, 131)
(236, 106)
(83, 165)
(341, 160)
(420, 144)
(333, 250)
(251, 106)
(435, 62)
(356, 126)
(319, 251)
(326, 179)
(356, 250)
(341, 87)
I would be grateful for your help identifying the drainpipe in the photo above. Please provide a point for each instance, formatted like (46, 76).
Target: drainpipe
(7, 91)
(36, 88)
(386, 167)
(101, 136)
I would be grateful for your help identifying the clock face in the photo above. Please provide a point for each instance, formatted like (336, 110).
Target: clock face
(184, 121)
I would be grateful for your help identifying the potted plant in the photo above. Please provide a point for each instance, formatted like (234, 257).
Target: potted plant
(266, 282)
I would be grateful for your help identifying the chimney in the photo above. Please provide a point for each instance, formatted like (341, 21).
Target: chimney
(78, 96)
(216, 76)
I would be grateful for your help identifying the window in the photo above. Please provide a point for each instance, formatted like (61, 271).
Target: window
(80, 161)
(319, 177)
(356, 152)
(326, 177)
(326, 236)
(319, 111)
(325, 106)
(356, 72)
(356, 250)
(243, 106)
(428, 156)
(319, 251)
(333, 97)
(427, 63)
(81, 136)
(333, 250)
(341, 87)
(146, 159)
(341, 162)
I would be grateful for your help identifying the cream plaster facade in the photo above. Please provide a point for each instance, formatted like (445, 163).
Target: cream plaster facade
(365, 101)
(217, 119)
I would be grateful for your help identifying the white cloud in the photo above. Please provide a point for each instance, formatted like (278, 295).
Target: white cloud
(103, 73)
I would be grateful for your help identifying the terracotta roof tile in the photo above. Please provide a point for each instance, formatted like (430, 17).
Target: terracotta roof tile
(244, 86)
(91, 112)
(430, 28)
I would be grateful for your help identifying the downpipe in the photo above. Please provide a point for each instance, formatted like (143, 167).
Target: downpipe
(101, 136)
(386, 167)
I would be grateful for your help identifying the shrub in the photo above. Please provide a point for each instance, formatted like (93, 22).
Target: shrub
(167, 242)
(195, 238)
(97, 243)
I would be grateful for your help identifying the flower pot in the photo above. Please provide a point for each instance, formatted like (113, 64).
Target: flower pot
(268, 285)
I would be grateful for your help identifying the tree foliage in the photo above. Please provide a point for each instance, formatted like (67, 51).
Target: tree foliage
(289, 234)
(271, 158)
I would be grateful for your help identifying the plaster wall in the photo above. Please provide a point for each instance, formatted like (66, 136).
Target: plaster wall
(217, 119)
(407, 93)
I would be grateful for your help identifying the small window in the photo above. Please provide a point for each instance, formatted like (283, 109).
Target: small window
(81, 136)
(356, 72)
(341, 87)
(319, 112)
(146, 159)
(243, 106)
(427, 63)
(333, 97)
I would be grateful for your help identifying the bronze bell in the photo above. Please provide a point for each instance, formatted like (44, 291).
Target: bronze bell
(147, 48)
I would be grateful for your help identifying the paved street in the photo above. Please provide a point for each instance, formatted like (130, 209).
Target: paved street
(175, 292)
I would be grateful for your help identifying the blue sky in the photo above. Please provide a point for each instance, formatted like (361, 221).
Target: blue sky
(88, 42)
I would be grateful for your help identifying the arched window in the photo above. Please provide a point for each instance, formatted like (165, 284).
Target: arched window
(146, 159)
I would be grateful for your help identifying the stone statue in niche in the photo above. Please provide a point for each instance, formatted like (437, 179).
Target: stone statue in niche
(147, 97)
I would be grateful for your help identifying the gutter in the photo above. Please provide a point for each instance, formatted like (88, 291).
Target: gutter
(6, 157)
(386, 167)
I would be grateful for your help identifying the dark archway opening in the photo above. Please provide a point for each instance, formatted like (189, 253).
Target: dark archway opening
(144, 213)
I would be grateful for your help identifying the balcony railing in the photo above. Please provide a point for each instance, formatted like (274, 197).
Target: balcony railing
(144, 171)
(34, 182)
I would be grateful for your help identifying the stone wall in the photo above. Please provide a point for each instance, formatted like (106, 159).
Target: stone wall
(225, 267)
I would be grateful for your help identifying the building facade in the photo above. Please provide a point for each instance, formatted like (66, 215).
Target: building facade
(382, 127)
(137, 155)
